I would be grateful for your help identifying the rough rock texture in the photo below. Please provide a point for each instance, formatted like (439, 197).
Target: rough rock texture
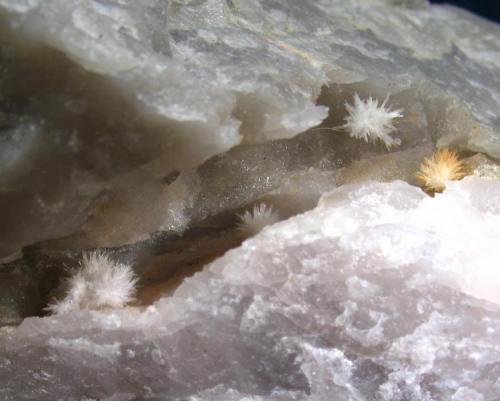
(145, 127)
(367, 297)
(111, 97)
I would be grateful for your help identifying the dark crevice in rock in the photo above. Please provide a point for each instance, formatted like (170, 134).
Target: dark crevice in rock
(227, 185)
(280, 172)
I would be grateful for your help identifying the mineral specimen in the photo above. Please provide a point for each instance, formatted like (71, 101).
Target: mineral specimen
(380, 293)
(145, 128)
(111, 97)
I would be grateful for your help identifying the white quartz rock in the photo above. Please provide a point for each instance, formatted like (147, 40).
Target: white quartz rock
(367, 297)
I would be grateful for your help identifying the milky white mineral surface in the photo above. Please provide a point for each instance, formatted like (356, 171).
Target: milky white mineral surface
(379, 293)
(146, 127)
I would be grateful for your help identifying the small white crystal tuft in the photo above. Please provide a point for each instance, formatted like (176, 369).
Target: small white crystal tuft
(370, 121)
(100, 283)
(254, 221)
